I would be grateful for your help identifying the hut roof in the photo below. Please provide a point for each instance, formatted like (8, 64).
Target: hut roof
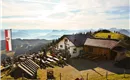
(101, 43)
(119, 49)
(77, 39)
(29, 67)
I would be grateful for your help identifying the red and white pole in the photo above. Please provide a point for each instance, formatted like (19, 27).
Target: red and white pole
(8, 39)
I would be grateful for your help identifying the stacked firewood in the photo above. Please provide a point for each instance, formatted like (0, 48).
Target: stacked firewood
(49, 61)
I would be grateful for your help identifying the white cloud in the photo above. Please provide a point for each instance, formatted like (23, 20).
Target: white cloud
(48, 14)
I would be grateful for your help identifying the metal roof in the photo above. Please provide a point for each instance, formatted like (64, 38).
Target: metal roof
(101, 43)
(29, 67)
(119, 49)
(77, 39)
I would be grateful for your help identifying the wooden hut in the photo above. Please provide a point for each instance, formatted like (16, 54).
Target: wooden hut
(101, 47)
(26, 69)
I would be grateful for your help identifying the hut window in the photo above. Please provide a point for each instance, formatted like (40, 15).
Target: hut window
(61, 46)
(74, 50)
(66, 40)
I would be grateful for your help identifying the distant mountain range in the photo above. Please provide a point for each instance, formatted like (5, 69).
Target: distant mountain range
(123, 31)
(40, 34)
(52, 34)
(21, 46)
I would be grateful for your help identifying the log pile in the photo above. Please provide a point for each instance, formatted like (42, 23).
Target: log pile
(27, 64)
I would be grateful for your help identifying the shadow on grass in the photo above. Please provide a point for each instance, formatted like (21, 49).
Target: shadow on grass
(84, 64)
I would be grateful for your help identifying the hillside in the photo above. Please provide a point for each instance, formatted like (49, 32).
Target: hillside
(5, 54)
(106, 33)
(21, 46)
(11, 53)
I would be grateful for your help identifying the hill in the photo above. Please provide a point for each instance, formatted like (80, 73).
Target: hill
(21, 46)
(106, 33)
(5, 54)
(123, 31)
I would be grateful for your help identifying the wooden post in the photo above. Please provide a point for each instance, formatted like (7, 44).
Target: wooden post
(60, 76)
(106, 75)
(124, 72)
(87, 77)
(22, 76)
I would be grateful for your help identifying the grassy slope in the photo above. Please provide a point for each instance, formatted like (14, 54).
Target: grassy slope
(9, 54)
(113, 77)
(128, 53)
(113, 35)
(11, 78)
(71, 75)
(42, 76)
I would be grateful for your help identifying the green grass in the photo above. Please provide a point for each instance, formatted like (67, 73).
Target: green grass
(110, 77)
(128, 53)
(113, 77)
(10, 54)
(41, 74)
(113, 35)
(11, 78)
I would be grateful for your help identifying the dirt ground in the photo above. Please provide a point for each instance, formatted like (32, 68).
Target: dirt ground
(80, 68)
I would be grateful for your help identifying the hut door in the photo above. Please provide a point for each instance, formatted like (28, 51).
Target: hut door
(113, 55)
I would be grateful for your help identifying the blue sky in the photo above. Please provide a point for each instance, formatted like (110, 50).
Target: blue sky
(65, 14)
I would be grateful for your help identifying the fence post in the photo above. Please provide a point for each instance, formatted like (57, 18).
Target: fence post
(22, 76)
(124, 73)
(106, 75)
(60, 76)
(87, 77)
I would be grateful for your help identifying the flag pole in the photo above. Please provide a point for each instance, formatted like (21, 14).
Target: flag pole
(11, 38)
(8, 39)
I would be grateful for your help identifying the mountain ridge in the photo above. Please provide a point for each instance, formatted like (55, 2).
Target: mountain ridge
(53, 34)
(21, 46)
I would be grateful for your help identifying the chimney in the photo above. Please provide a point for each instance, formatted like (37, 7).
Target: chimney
(109, 36)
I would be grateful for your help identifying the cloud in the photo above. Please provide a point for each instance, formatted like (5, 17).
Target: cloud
(75, 11)
(58, 15)
(119, 10)
(65, 14)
